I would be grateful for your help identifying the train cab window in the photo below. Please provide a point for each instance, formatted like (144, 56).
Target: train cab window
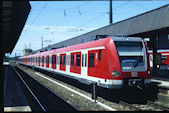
(64, 58)
(91, 59)
(163, 58)
(72, 60)
(99, 55)
(78, 60)
(60, 59)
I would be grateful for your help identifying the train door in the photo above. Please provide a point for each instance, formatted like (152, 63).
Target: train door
(26, 60)
(53, 61)
(47, 61)
(63, 62)
(39, 61)
(84, 63)
(42, 61)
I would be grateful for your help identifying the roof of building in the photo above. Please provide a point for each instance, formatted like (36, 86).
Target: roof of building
(142, 25)
(14, 15)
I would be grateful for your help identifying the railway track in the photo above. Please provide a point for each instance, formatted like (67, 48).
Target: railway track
(158, 105)
(44, 98)
(129, 105)
(149, 106)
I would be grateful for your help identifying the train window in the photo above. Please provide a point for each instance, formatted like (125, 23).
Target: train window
(91, 59)
(39, 60)
(85, 60)
(78, 60)
(42, 59)
(47, 59)
(64, 59)
(163, 58)
(55, 60)
(60, 59)
(99, 55)
(52, 59)
(67, 59)
(82, 58)
(72, 60)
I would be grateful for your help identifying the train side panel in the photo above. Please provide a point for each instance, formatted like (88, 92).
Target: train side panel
(97, 63)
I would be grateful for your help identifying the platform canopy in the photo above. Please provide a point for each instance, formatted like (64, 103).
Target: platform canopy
(13, 17)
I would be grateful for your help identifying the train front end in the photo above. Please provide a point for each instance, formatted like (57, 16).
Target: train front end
(133, 60)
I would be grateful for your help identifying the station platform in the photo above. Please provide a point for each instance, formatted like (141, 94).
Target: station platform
(14, 97)
(161, 83)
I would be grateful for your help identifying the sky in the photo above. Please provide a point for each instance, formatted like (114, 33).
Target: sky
(57, 21)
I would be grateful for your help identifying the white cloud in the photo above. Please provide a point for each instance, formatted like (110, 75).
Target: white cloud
(60, 33)
(59, 29)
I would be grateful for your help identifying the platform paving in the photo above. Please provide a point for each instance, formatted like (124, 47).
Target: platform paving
(161, 83)
(14, 97)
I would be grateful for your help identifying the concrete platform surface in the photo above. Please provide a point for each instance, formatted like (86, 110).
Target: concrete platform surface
(18, 108)
(161, 83)
(14, 97)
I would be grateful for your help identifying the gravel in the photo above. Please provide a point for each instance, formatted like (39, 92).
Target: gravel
(79, 102)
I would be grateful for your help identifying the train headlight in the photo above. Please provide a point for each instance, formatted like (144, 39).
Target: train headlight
(115, 73)
(149, 72)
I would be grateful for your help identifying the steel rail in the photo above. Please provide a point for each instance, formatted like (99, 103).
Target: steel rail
(130, 106)
(51, 91)
(158, 105)
(29, 89)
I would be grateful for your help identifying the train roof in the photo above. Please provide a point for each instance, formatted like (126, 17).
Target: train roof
(126, 38)
(92, 44)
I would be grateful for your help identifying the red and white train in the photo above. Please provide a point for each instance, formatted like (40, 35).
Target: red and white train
(163, 59)
(112, 62)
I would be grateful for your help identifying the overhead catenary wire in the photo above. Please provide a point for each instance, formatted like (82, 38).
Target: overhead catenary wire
(34, 19)
(39, 13)
(140, 6)
(91, 20)
(24, 34)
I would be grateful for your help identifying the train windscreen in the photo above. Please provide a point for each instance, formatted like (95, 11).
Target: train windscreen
(131, 55)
